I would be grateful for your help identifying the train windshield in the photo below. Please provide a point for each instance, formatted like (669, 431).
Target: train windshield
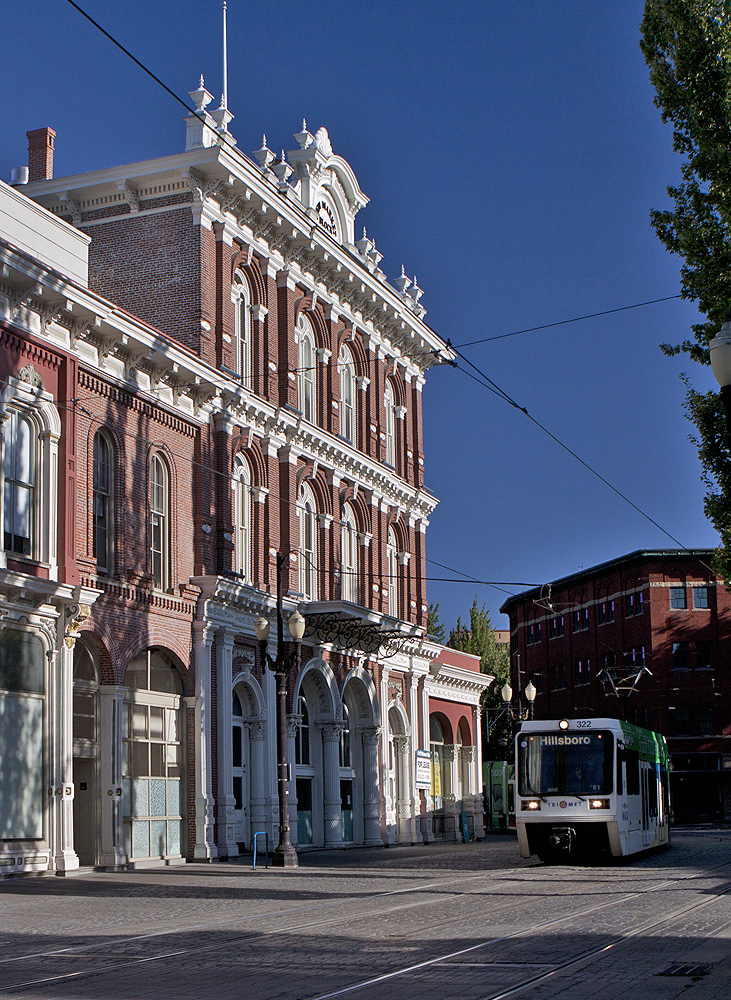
(565, 763)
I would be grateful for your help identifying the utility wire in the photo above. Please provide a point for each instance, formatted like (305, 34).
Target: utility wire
(483, 380)
(75, 404)
(575, 319)
(493, 387)
(149, 72)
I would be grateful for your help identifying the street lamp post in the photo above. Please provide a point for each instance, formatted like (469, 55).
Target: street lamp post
(284, 854)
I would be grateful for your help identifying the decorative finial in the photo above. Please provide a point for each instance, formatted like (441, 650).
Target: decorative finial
(224, 96)
(201, 84)
(304, 125)
(365, 235)
(264, 141)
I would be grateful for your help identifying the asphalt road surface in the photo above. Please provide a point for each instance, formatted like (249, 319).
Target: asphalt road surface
(462, 921)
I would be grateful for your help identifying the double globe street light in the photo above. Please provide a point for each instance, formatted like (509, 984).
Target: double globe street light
(530, 696)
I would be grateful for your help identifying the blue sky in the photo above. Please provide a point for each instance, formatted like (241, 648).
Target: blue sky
(512, 154)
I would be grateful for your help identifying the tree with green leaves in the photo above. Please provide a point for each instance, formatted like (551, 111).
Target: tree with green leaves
(434, 625)
(687, 47)
(478, 637)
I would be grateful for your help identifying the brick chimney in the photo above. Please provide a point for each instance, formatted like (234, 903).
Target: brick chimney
(40, 154)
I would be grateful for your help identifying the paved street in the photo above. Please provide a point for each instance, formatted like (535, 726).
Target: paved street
(456, 921)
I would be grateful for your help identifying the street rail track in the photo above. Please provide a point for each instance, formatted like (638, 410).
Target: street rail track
(534, 874)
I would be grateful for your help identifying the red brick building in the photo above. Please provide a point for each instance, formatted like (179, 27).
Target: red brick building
(230, 376)
(646, 637)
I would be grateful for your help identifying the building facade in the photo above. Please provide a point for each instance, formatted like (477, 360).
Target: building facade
(645, 637)
(202, 367)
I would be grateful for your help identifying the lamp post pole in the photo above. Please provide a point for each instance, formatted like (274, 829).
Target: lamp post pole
(284, 854)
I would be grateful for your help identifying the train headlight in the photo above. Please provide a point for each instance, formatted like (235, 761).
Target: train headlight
(598, 803)
(530, 804)
(563, 724)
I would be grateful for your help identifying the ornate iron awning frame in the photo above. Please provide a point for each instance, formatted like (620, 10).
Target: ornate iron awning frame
(349, 627)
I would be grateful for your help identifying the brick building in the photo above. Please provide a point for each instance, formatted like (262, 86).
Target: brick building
(647, 637)
(202, 366)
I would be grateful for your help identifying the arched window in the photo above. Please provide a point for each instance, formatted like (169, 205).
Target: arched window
(160, 522)
(306, 368)
(30, 430)
(393, 575)
(347, 394)
(19, 468)
(390, 426)
(103, 503)
(308, 543)
(302, 742)
(242, 330)
(349, 556)
(345, 757)
(242, 519)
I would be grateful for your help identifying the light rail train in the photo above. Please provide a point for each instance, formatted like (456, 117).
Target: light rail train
(590, 788)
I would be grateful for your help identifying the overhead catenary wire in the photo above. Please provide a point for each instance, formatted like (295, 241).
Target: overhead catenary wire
(574, 319)
(483, 378)
(284, 502)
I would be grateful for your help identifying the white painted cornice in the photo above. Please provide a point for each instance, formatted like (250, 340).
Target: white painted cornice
(225, 184)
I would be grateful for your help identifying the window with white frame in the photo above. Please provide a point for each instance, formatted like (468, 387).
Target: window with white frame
(242, 329)
(393, 574)
(347, 394)
(242, 518)
(349, 556)
(30, 429)
(390, 427)
(103, 503)
(160, 521)
(19, 469)
(308, 543)
(306, 368)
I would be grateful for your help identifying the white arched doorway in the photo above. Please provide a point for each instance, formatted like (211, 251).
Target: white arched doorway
(360, 800)
(86, 756)
(248, 785)
(315, 748)
(397, 775)
(153, 738)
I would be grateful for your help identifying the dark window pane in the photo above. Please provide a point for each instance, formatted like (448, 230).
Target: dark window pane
(21, 661)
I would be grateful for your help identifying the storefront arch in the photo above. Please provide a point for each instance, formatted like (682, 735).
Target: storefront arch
(248, 778)
(359, 787)
(153, 741)
(315, 798)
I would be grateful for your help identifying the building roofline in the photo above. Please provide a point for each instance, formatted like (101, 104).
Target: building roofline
(638, 554)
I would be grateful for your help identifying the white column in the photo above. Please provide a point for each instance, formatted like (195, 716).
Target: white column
(371, 791)
(451, 817)
(428, 810)
(205, 848)
(331, 782)
(111, 708)
(477, 770)
(257, 777)
(225, 801)
(385, 734)
(61, 688)
(471, 802)
(293, 722)
(414, 798)
(402, 804)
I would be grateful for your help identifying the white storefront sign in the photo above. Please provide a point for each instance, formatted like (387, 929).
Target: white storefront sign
(423, 769)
